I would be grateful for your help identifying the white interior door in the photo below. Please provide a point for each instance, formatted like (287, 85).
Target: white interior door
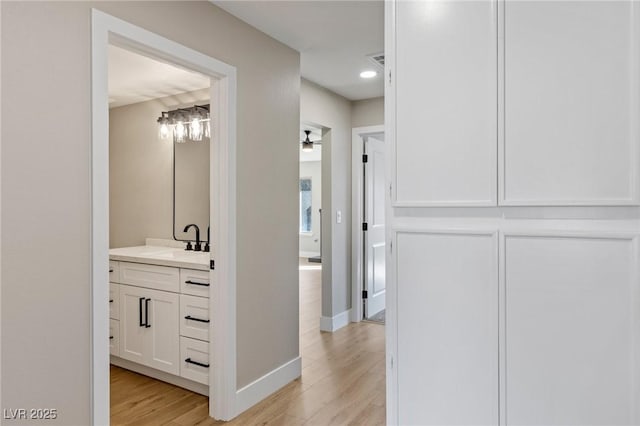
(374, 236)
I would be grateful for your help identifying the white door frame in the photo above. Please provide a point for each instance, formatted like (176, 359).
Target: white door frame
(106, 29)
(357, 209)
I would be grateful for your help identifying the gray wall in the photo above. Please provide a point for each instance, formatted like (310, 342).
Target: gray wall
(333, 112)
(46, 183)
(141, 173)
(368, 112)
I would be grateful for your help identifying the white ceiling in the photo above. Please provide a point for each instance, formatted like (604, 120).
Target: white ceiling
(333, 38)
(136, 78)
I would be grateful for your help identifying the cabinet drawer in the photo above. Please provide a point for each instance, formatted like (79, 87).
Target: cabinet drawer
(114, 271)
(194, 317)
(114, 301)
(194, 282)
(114, 337)
(194, 358)
(150, 276)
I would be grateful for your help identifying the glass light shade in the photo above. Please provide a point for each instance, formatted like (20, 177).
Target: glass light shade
(207, 129)
(179, 132)
(307, 146)
(164, 131)
(196, 129)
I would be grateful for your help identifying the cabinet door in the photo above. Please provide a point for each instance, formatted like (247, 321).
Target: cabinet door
(132, 330)
(446, 103)
(571, 103)
(572, 324)
(163, 340)
(447, 294)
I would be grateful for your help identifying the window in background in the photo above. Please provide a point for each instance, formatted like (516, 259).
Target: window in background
(305, 205)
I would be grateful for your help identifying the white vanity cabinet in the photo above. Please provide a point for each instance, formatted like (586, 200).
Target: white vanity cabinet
(159, 318)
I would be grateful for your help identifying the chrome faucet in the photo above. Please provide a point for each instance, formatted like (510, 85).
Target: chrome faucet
(198, 245)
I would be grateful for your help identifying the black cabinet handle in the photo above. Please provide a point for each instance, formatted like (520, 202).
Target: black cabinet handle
(110, 300)
(110, 269)
(197, 283)
(110, 337)
(146, 313)
(189, 317)
(190, 361)
(140, 302)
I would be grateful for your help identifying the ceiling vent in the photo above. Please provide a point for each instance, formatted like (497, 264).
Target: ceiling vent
(377, 58)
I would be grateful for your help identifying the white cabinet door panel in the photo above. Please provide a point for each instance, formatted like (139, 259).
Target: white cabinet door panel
(446, 103)
(447, 291)
(132, 333)
(572, 312)
(571, 102)
(164, 331)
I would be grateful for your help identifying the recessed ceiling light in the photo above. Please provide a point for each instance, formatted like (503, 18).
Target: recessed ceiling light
(368, 74)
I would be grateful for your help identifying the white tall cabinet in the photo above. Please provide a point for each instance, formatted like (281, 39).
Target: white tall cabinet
(513, 212)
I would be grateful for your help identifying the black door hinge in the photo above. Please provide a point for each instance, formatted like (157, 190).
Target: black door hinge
(212, 264)
(365, 226)
(365, 158)
(365, 294)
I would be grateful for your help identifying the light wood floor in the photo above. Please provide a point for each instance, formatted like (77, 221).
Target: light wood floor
(342, 383)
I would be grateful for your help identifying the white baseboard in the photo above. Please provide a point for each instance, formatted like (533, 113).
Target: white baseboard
(309, 254)
(271, 382)
(332, 324)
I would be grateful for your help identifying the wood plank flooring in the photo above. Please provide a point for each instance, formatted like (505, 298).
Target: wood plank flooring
(342, 383)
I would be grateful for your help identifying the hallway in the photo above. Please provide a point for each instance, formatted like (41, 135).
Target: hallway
(342, 383)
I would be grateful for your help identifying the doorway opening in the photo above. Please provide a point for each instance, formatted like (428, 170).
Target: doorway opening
(106, 31)
(159, 170)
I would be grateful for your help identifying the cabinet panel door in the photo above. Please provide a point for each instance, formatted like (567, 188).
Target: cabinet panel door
(446, 103)
(572, 311)
(164, 333)
(571, 102)
(132, 335)
(447, 288)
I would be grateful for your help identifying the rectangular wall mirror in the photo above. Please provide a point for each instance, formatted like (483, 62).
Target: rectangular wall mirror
(191, 188)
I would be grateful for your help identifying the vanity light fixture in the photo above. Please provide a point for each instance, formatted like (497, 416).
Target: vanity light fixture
(307, 144)
(185, 124)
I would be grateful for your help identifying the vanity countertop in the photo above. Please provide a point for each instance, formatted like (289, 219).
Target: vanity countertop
(163, 256)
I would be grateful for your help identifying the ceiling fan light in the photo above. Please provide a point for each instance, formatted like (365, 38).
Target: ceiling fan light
(307, 146)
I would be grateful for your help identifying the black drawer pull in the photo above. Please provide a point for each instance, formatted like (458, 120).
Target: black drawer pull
(110, 300)
(110, 270)
(197, 283)
(146, 313)
(190, 361)
(110, 337)
(140, 302)
(189, 317)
